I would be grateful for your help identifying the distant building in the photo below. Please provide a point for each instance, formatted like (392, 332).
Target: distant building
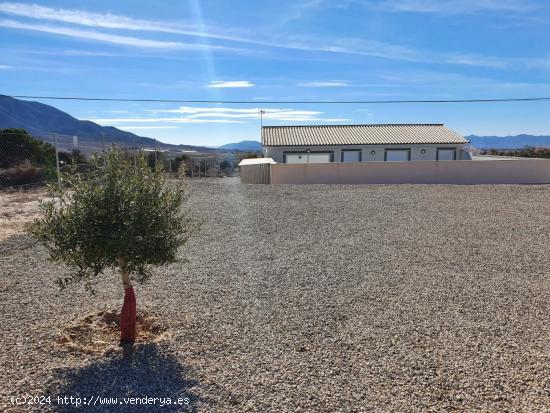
(363, 143)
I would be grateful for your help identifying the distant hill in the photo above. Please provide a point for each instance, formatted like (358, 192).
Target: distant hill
(42, 121)
(242, 146)
(508, 142)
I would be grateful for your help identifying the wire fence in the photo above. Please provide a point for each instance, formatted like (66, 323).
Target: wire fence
(32, 161)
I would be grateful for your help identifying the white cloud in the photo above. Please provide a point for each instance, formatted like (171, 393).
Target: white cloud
(328, 83)
(192, 114)
(116, 121)
(5, 67)
(148, 127)
(111, 21)
(230, 84)
(350, 46)
(105, 37)
(475, 60)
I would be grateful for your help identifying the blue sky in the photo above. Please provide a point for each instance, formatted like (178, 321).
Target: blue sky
(281, 50)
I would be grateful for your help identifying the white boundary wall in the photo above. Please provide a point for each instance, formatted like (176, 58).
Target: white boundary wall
(512, 171)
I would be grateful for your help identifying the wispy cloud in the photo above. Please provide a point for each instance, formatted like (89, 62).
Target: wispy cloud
(4, 67)
(453, 6)
(202, 115)
(113, 21)
(349, 46)
(105, 37)
(230, 84)
(117, 121)
(328, 83)
(132, 127)
(299, 9)
(466, 59)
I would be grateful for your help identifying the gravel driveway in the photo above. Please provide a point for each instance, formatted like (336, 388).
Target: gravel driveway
(312, 299)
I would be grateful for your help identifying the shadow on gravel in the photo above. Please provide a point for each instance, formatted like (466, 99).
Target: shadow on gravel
(147, 372)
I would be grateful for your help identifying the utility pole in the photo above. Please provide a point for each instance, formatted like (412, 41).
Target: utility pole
(57, 161)
(134, 151)
(262, 112)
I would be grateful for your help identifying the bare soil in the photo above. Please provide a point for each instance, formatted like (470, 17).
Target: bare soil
(17, 209)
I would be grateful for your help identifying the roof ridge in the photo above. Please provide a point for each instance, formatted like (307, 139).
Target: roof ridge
(354, 124)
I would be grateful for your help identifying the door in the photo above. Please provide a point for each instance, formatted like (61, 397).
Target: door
(319, 157)
(397, 155)
(351, 155)
(296, 157)
(311, 157)
(446, 154)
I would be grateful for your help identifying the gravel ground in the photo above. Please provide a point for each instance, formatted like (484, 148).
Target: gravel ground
(312, 299)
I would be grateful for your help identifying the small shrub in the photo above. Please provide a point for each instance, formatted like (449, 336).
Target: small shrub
(21, 174)
(119, 215)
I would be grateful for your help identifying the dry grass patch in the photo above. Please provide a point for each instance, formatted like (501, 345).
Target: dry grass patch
(17, 209)
(99, 332)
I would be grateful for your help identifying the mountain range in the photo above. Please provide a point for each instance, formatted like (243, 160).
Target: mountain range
(42, 121)
(508, 142)
(480, 142)
(242, 146)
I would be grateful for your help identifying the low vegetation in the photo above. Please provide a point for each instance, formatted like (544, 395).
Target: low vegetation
(527, 152)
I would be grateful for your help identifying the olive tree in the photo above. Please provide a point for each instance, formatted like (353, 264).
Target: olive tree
(120, 215)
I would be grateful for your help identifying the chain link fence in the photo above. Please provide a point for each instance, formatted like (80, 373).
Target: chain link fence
(28, 161)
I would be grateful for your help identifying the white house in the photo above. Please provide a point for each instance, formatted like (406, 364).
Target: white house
(362, 143)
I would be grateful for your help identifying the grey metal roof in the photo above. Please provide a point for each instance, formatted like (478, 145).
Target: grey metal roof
(388, 134)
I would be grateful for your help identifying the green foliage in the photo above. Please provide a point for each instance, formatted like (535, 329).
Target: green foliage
(75, 157)
(18, 146)
(155, 159)
(251, 155)
(21, 174)
(181, 160)
(117, 210)
(226, 166)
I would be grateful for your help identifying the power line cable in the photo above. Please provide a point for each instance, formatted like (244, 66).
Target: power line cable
(266, 102)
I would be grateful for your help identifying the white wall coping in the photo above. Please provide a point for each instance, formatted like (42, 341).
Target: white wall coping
(256, 161)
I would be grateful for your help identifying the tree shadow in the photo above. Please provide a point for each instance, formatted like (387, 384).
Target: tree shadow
(144, 372)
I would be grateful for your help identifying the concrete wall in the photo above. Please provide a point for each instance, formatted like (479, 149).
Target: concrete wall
(277, 152)
(523, 171)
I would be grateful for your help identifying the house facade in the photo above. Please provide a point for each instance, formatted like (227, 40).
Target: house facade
(363, 143)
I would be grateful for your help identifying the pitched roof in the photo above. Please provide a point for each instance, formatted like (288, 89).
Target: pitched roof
(389, 134)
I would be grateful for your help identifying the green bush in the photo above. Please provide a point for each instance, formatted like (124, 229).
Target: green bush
(17, 146)
(116, 215)
(22, 174)
(526, 152)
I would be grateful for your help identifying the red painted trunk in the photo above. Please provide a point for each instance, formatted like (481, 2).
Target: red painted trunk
(128, 317)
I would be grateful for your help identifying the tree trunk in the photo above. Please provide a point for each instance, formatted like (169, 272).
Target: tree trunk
(128, 313)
